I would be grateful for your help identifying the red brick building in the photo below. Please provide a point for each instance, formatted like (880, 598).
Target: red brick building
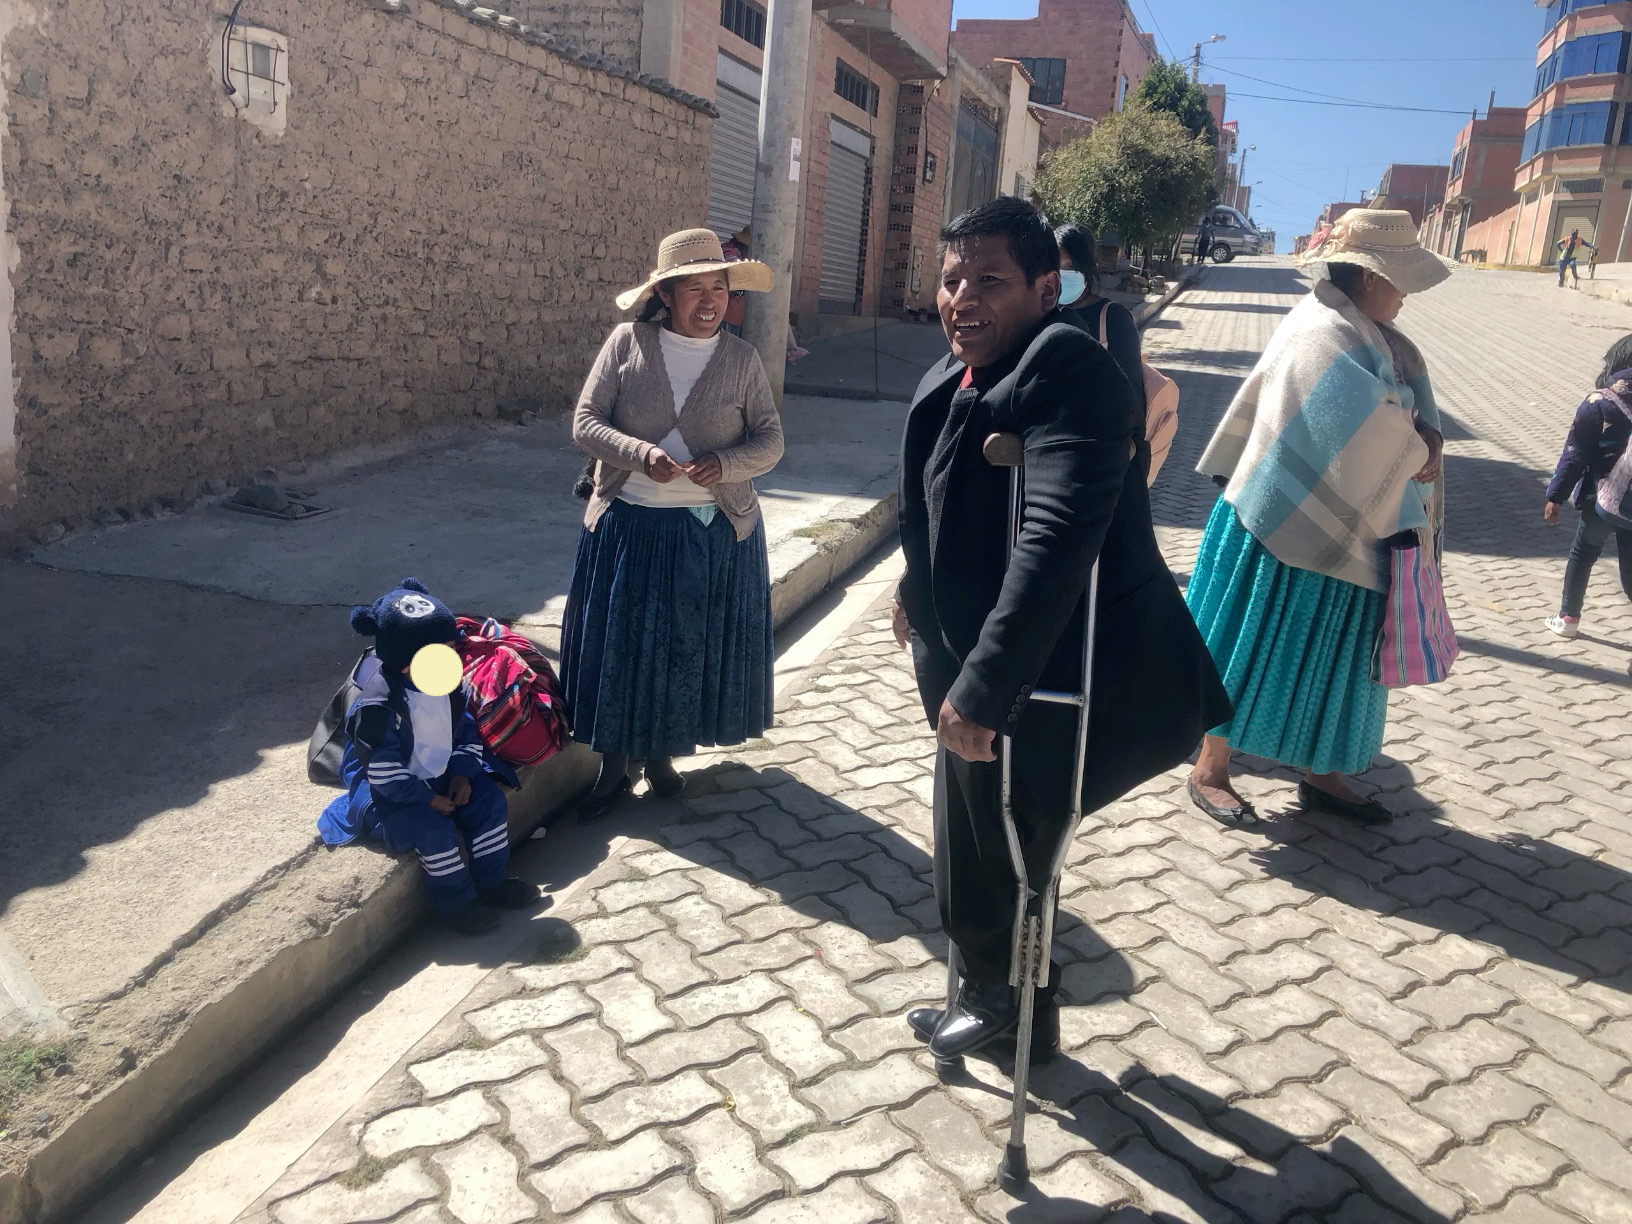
(1481, 180)
(1415, 189)
(1084, 56)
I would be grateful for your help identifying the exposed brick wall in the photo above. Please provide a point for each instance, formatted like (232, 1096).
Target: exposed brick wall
(442, 226)
(923, 123)
(607, 27)
(1098, 39)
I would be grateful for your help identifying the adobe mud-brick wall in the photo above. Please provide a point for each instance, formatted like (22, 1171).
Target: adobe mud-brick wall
(610, 27)
(442, 227)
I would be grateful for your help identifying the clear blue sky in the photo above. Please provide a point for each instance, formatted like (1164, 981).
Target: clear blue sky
(1437, 54)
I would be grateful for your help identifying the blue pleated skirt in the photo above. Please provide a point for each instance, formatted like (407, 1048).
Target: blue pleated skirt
(666, 643)
(1294, 648)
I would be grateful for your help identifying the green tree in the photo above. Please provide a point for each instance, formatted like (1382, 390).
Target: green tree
(1141, 175)
(1167, 87)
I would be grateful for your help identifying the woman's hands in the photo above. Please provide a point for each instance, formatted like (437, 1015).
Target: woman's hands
(1436, 450)
(902, 628)
(660, 467)
(705, 471)
(1549, 513)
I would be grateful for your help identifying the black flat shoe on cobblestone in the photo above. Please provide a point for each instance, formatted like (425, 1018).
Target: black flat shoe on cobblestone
(593, 808)
(665, 781)
(1361, 811)
(512, 894)
(1242, 814)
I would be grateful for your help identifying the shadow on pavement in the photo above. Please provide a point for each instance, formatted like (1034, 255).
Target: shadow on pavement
(832, 862)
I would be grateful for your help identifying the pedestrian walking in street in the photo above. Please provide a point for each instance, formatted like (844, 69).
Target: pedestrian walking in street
(1096, 315)
(416, 774)
(1595, 444)
(987, 628)
(1569, 250)
(1330, 450)
(666, 642)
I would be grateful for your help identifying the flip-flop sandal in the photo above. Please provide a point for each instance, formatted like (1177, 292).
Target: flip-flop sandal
(1233, 817)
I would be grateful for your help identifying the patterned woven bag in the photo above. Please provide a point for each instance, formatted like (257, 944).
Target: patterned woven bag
(1417, 643)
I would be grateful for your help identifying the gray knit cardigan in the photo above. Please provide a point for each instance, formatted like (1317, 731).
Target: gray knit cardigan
(626, 407)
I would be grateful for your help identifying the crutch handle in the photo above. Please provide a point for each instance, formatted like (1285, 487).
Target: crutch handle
(1005, 450)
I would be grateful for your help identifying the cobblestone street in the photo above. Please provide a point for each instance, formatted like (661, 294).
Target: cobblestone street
(1306, 1021)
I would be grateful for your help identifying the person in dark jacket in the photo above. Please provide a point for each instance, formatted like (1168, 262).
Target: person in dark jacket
(1099, 315)
(987, 628)
(1597, 438)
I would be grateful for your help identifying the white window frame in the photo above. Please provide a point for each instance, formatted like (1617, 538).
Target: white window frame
(257, 64)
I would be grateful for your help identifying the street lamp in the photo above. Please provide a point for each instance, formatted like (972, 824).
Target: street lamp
(1195, 69)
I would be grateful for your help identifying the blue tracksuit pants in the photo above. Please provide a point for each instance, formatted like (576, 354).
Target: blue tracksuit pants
(449, 883)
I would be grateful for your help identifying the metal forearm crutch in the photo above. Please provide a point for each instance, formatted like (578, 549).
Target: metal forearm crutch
(1029, 962)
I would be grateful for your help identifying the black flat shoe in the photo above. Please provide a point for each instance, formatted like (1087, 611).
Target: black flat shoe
(1045, 1030)
(512, 894)
(1361, 811)
(593, 808)
(980, 1016)
(1242, 814)
(665, 782)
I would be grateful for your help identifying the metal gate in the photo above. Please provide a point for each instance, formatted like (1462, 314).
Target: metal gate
(734, 149)
(844, 219)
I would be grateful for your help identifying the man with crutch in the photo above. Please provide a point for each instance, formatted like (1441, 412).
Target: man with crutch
(997, 616)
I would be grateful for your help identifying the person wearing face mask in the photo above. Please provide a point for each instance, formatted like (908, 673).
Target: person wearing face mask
(1329, 454)
(666, 642)
(1106, 321)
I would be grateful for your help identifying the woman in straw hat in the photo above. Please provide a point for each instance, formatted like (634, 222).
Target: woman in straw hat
(666, 642)
(1330, 448)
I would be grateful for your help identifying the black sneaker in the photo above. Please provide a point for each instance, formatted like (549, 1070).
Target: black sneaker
(512, 894)
(475, 919)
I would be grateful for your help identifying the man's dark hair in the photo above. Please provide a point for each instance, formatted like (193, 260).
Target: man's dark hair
(1031, 242)
(1349, 277)
(1617, 359)
(1080, 245)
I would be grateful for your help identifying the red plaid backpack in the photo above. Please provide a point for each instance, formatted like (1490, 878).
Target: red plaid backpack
(512, 693)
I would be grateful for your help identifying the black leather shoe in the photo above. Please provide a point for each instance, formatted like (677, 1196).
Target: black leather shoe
(981, 1015)
(1361, 811)
(665, 780)
(592, 808)
(1045, 1030)
(1242, 813)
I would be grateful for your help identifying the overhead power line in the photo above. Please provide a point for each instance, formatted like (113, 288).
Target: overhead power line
(1381, 59)
(1159, 30)
(1418, 110)
(1313, 93)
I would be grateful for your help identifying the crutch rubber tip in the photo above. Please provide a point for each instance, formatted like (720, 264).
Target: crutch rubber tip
(949, 1070)
(1013, 1174)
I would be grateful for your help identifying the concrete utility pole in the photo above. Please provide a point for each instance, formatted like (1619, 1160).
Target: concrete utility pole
(1195, 63)
(773, 237)
(1241, 174)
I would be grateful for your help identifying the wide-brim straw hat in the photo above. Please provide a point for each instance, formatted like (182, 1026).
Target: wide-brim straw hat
(1385, 241)
(692, 252)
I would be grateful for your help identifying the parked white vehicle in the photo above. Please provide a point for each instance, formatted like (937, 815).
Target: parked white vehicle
(1232, 234)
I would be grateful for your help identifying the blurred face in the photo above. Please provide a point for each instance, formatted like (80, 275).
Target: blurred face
(697, 304)
(986, 307)
(1379, 300)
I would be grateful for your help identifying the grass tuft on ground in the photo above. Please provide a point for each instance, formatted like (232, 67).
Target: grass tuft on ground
(23, 1064)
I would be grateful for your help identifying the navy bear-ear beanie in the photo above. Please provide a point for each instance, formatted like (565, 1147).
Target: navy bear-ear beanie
(404, 620)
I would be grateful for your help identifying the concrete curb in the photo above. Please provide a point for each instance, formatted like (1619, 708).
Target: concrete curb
(823, 391)
(1193, 274)
(214, 1046)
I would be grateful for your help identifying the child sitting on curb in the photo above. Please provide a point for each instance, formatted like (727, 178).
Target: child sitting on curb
(415, 772)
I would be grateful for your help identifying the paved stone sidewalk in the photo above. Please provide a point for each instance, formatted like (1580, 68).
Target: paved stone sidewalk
(1303, 1022)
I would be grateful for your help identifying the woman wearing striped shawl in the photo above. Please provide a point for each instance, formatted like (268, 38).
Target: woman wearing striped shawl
(1330, 448)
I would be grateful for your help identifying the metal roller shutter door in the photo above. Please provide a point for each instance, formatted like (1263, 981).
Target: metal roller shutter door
(732, 156)
(841, 227)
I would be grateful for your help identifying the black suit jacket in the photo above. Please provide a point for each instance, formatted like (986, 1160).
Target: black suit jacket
(988, 629)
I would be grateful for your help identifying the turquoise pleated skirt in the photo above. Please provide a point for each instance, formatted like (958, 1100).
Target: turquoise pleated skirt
(1294, 648)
